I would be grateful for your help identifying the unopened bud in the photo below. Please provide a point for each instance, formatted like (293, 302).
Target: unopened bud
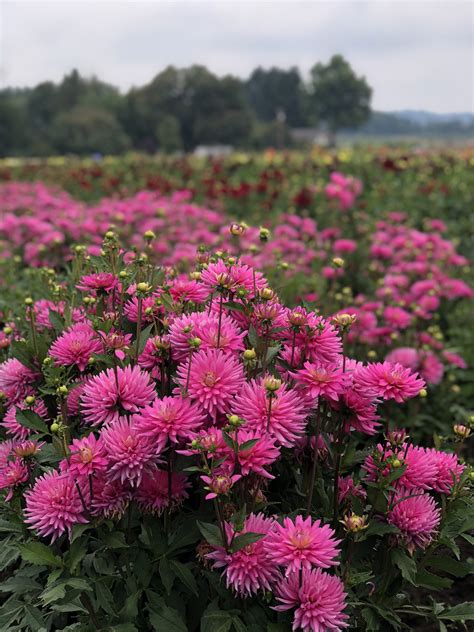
(272, 384)
(264, 234)
(28, 300)
(249, 354)
(338, 262)
(30, 400)
(354, 523)
(461, 431)
(149, 235)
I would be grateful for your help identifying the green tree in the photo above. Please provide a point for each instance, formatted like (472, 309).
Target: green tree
(85, 130)
(337, 96)
(274, 90)
(168, 134)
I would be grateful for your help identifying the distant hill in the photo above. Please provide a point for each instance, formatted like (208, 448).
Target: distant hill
(417, 123)
(422, 117)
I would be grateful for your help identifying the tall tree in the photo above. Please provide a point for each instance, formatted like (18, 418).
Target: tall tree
(337, 96)
(275, 90)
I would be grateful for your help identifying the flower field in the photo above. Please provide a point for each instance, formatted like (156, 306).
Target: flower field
(236, 393)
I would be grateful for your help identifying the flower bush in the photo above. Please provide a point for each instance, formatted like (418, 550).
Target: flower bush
(186, 451)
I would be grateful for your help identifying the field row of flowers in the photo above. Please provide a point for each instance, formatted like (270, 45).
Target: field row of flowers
(210, 425)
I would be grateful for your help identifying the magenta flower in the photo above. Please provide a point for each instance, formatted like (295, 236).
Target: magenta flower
(320, 380)
(102, 281)
(88, 456)
(448, 470)
(13, 428)
(53, 505)
(219, 484)
(16, 380)
(110, 498)
(75, 346)
(417, 517)
(129, 452)
(106, 396)
(256, 453)
(172, 418)
(287, 419)
(248, 570)
(388, 381)
(214, 380)
(420, 472)
(319, 601)
(153, 494)
(13, 474)
(302, 544)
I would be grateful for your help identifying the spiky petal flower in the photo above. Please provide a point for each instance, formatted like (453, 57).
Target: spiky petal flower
(16, 380)
(129, 452)
(109, 394)
(319, 601)
(420, 468)
(285, 420)
(13, 427)
(320, 380)
(172, 418)
(417, 517)
(389, 381)
(248, 570)
(110, 498)
(88, 456)
(102, 282)
(448, 470)
(15, 473)
(153, 493)
(214, 380)
(75, 346)
(53, 505)
(302, 544)
(256, 452)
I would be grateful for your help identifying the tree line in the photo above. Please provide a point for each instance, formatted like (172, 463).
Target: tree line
(179, 110)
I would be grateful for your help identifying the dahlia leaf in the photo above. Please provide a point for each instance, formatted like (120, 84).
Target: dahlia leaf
(461, 612)
(429, 580)
(166, 574)
(40, 554)
(30, 420)
(216, 621)
(405, 564)
(167, 619)
(448, 565)
(241, 541)
(105, 598)
(56, 320)
(183, 573)
(211, 533)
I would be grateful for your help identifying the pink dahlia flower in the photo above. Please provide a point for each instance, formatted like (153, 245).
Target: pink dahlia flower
(319, 601)
(420, 471)
(102, 281)
(16, 380)
(255, 453)
(110, 498)
(406, 356)
(172, 418)
(320, 380)
(249, 570)
(302, 544)
(214, 380)
(75, 346)
(108, 394)
(153, 493)
(13, 474)
(431, 369)
(129, 452)
(388, 381)
(88, 456)
(448, 470)
(417, 517)
(13, 428)
(53, 505)
(287, 419)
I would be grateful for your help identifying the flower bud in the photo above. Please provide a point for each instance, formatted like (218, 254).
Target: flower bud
(54, 428)
(396, 463)
(149, 235)
(143, 288)
(272, 384)
(249, 354)
(30, 400)
(423, 392)
(237, 229)
(338, 262)
(28, 300)
(461, 431)
(354, 523)
(264, 234)
(62, 390)
(195, 342)
(267, 294)
(7, 330)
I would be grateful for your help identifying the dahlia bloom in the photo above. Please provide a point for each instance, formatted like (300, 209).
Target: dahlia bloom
(420, 469)
(152, 494)
(348, 489)
(260, 452)
(13, 474)
(184, 290)
(88, 456)
(319, 340)
(13, 428)
(106, 395)
(406, 356)
(320, 380)
(302, 544)
(16, 380)
(205, 327)
(102, 281)
(389, 381)
(219, 484)
(448, 470)
(417, 517)
(129, 452)
(287, 420)
(53, 505)
(220, 275)
(214, 379)
(397, 317)
(172, 418)
(249, 570)
(110, 498)
(151, 358)
(431, 369)
(319, 600)
(75, 346)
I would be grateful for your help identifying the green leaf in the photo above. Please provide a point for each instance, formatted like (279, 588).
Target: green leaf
(167, 620)
(210, 532)
(75, 555)
(238, 625)
(271, 353)
(237, 307)
(371, 618)
(461, 612)
(247, 445)
(216, 621)
(105, 598)
(145, 334)
(34, 618)
(40, 554)
(428, 580)
(166, 574)
(8, 555)
(114, 540)
(183, 573)
(31, 420)
(379, 528)
(187, 534)
(406, 565)
(56, 320)
(21, 352)
(241, 541)
(447, 564)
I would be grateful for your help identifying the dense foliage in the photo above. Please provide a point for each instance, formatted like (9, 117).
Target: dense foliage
(213, 425)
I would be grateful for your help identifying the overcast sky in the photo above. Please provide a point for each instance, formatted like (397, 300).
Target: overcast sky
(416, 54)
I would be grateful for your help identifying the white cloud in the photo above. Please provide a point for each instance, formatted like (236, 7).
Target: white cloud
(417, 54)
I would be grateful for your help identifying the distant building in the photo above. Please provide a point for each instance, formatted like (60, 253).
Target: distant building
(213, 151)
